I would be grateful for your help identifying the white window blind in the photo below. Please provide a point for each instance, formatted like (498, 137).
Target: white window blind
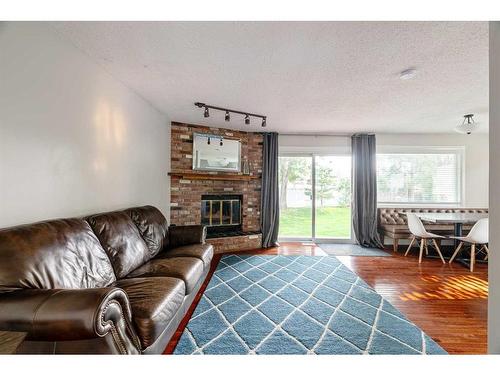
(428, 178)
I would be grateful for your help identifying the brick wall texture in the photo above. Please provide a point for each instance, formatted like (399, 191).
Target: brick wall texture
(186, 194)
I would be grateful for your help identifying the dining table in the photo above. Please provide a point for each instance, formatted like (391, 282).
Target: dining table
(457, 219)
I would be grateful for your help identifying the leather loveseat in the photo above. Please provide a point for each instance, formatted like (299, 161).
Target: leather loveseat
(117, 282)
(392, 222)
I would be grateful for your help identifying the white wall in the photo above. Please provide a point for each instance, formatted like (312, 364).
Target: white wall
(476, 154)
(73, 140)
(494, 259)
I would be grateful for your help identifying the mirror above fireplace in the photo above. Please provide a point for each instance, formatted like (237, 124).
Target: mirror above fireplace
(215, 153)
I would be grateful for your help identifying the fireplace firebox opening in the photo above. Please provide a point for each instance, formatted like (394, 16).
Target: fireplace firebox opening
(222, 214)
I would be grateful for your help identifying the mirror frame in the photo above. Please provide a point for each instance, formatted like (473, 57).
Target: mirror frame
(206, 135)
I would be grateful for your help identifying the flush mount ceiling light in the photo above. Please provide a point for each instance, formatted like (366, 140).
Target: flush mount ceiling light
(467, 126)
(227, 116)
(408, 74)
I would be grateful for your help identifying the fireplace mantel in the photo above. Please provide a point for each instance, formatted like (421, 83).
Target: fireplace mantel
(211, 176)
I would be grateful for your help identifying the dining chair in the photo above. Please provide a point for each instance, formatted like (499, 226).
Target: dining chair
(478, 235)
(419, 233)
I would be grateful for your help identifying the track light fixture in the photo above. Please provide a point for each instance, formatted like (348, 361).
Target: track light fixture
(228, 111)
(208, 141)
(221, 142)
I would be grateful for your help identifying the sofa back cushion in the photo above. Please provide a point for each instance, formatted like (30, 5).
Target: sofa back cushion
(395, 215)
(152, 226)
(53, 254)
(121, 240)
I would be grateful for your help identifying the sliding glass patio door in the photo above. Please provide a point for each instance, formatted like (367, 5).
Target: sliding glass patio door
(315, 196)
(296, 208)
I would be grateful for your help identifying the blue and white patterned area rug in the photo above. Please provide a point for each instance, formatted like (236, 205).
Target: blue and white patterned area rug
(265, 304)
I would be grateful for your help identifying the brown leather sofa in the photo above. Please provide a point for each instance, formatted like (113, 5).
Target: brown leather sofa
(392, 222)
(117, 282)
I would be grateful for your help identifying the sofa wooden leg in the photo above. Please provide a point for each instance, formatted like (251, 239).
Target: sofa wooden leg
(395, 245)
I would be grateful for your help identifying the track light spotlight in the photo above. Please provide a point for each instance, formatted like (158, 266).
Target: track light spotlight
(206, 114)
(247, 120)
(208, 141)
(221, 143)
(227, 118)
(264, 122)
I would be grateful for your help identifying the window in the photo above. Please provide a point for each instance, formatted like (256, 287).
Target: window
(315, 196)
(420, 176)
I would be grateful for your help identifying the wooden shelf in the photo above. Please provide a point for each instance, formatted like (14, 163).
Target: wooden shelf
(211, 176)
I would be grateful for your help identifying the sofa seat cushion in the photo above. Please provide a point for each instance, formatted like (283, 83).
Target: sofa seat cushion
(154, 302)
(403, 228)
(188, 269)
(395, 228)
(205, 252)
(437, 228)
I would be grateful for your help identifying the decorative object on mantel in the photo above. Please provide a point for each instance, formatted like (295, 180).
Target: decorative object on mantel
(246, 167)
(227, 111)
(467, 126)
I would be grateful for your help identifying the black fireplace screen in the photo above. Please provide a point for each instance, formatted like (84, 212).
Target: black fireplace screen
(220, 212)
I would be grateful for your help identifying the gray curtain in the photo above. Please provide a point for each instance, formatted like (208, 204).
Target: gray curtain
(364, 192)
(270, 209)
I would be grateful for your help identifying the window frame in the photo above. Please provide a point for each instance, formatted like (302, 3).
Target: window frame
(457, 150)
(312, 152)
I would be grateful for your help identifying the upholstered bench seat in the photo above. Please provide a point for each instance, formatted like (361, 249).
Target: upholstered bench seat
(392, 222)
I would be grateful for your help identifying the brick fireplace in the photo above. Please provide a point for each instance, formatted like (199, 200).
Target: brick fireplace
(228, 203)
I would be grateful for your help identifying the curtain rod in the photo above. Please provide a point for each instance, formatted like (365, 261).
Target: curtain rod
(339, 135)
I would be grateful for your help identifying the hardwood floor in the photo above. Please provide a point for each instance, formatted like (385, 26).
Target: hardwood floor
(447, 301)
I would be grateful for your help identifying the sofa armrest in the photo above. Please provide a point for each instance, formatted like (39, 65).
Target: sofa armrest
(66, 314)
(187, 235)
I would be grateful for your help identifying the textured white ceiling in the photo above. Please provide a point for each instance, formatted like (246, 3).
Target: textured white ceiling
(307, 77)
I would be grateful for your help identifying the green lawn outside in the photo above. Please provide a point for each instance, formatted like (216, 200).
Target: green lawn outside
(331, 222)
